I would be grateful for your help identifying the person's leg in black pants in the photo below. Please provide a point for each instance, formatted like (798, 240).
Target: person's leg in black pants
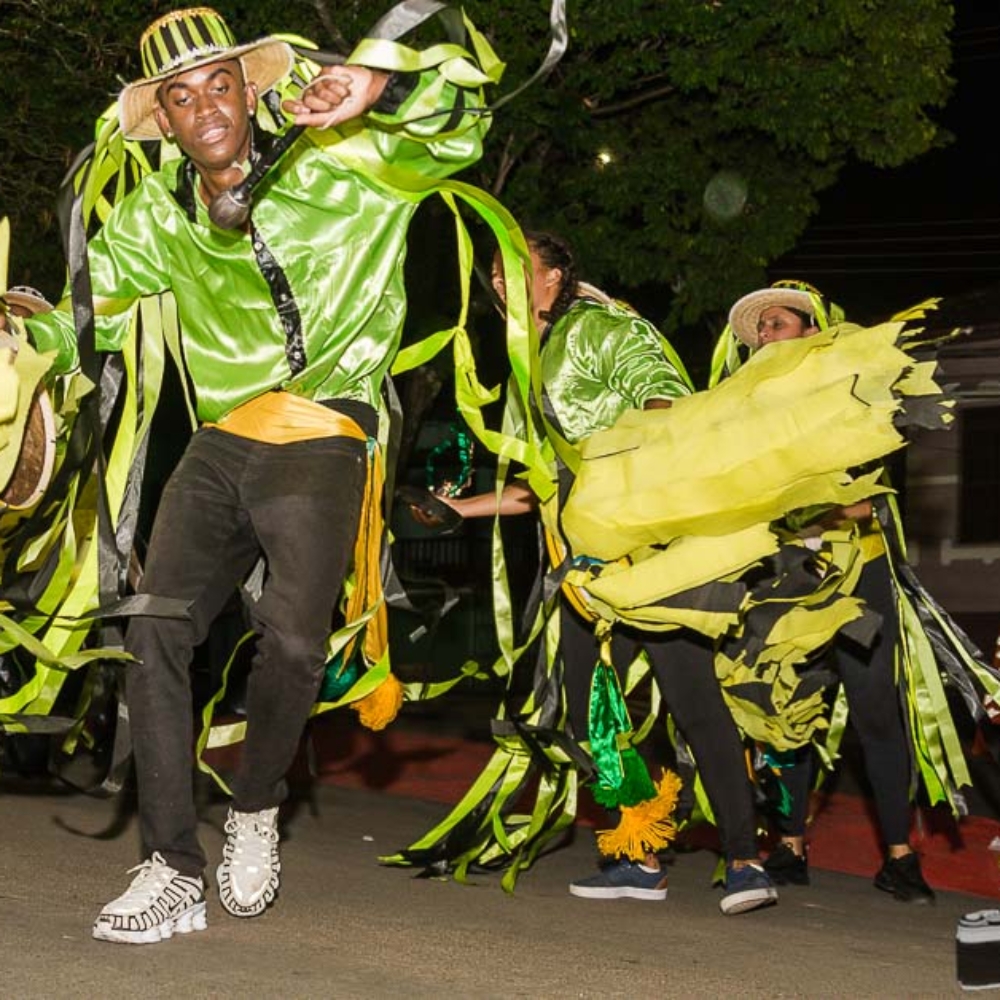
(579, 651)
(229, 500)
(873, 700)
(787, 864)
(307, 537)
(201, 547)
(682, 664)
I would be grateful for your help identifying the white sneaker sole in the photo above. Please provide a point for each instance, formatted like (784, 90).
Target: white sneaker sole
(616, 892)
(749, 899)
(192, 919)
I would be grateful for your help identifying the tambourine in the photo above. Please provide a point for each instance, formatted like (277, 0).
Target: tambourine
(446, 518)
(36, 459)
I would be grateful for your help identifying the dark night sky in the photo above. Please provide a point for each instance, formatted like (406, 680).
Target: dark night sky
(885, 239)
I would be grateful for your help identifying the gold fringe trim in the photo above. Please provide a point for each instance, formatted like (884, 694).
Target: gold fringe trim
(647, 827)
(367, 592)
(378, 709)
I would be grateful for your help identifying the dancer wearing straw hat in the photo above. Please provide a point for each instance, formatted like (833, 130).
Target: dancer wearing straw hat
(289, 323)
(790, 311)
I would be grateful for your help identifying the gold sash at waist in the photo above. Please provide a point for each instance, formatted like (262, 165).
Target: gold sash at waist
(283, 418)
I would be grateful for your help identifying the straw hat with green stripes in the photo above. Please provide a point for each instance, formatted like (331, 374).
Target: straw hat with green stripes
(183, 40)
(797, 295)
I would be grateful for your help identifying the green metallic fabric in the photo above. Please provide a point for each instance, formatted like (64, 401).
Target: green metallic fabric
(316, 215)
(609, 720)
(597, 361)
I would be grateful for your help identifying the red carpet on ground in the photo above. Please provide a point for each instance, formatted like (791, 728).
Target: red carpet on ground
(956, 856)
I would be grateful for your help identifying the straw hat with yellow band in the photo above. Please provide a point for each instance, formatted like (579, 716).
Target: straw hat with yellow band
(184, 40)
(799, 296)
(741, 328)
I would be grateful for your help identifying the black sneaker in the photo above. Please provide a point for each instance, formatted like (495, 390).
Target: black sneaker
(786, 867)
(903, 878)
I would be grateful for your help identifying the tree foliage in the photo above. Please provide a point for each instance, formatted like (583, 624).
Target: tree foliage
(654, 99)
(681, 144)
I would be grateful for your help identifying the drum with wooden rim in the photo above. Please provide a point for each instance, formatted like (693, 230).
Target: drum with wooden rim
(32, 471)
(36, 458)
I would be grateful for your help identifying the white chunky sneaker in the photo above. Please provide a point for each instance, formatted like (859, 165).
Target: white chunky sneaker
(248, 875)
(159, 903)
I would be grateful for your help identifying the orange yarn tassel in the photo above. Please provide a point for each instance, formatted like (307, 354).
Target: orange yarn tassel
(647, 827)
(377, 709)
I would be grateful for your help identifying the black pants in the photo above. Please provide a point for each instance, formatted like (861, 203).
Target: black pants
(229, 501)
(682, 664)
(869, 679)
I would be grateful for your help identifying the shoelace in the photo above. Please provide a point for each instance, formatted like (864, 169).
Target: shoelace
(153, 874)
(253, 840)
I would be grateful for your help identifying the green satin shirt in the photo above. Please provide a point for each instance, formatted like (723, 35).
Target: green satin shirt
(597, 361)
(338, 233)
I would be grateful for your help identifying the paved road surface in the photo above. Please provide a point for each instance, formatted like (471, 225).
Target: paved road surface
(346, 927)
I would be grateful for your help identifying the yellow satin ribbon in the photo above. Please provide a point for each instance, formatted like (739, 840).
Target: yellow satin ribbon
(367, 595)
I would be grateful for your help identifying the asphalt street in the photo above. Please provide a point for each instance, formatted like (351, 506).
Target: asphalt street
(345, 926)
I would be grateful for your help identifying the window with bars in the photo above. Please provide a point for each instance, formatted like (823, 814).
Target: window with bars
(979, 501)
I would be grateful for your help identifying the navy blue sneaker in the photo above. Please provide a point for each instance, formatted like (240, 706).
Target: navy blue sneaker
(747, 888)
(622, 879)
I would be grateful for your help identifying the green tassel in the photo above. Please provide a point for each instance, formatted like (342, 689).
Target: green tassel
(608, 722)
(337, 679)
(636, 785)
(622, 777)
